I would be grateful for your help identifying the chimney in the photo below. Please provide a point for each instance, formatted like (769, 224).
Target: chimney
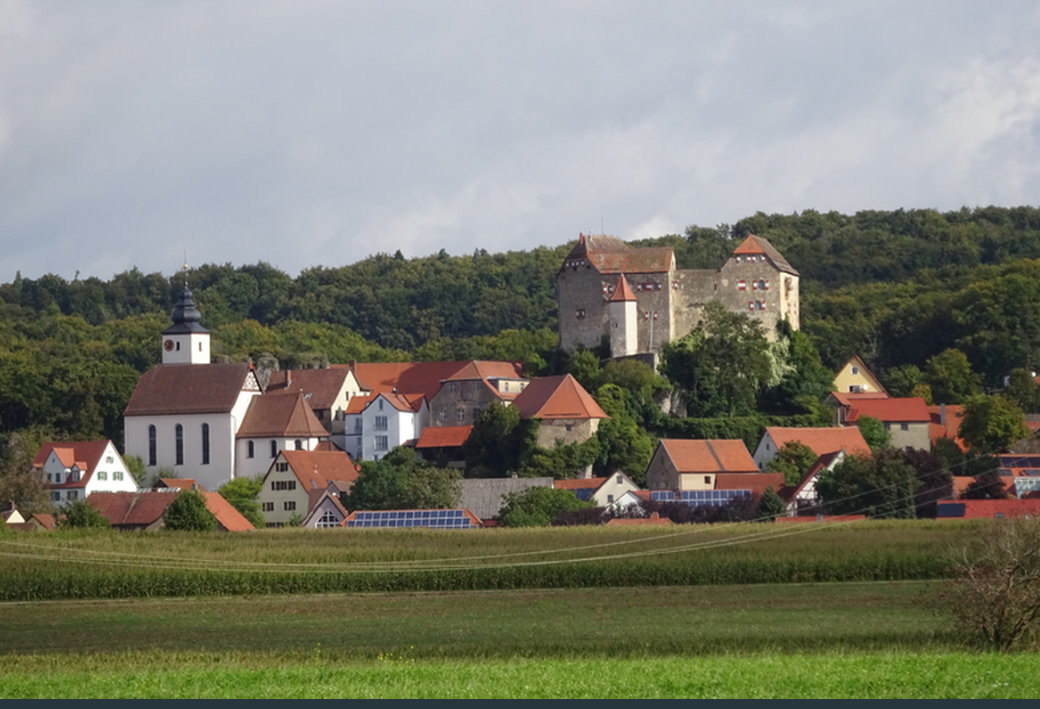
(942, 414)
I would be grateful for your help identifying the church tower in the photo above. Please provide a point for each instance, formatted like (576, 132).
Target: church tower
(186, 341)
(623, 316)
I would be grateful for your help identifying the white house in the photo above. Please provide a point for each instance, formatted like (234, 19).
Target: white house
(75, 469)
(391, 420)
(273, 423)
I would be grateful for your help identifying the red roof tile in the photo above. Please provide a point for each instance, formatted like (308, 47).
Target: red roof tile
(950, 428)
(443, 436)
(424, 378)
(321, 386)
(85, 453)
(188, 389)
(912, 409)
(822, 440)
(846, 398)
(145, 508)
(760, 245)
(281, 414)
(560, 397)
(756, 482)
(975, 509)
(709, 456)
(316, 469)
(608, 254)
(579, 483)
(176, 484)
(623, 292)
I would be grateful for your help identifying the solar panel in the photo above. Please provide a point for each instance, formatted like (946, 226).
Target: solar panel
(437, 519)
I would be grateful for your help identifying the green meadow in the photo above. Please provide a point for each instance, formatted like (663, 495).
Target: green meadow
(852, 627)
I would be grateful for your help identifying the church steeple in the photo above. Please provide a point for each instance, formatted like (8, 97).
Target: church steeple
(186, 341)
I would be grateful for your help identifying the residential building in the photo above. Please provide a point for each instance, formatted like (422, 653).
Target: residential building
(273, 423)
(144, 509)
(694, 464)
(603, 491)
(296, 480)
(906, 419)
(326, 510)
(821, 440)
(75, 469)
(565, 412)
(856, 378)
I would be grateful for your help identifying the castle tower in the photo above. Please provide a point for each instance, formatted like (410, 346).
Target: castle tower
(623, 317)
(186, 341)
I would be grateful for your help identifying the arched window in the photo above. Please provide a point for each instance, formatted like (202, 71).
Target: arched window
(274, 448)
(151, 445)
(205, 444)
(249, 449)
(179, 450)
(298, 444)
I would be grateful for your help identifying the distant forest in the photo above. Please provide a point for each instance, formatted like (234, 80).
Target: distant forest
(894, 287)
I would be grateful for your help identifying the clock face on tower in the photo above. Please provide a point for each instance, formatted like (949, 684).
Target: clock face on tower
(168, 345)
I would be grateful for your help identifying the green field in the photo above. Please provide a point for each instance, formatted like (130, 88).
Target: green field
(841, 638)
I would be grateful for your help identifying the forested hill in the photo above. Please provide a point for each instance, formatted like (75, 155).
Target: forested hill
(895, 287)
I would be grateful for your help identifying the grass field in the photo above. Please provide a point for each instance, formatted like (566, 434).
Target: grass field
(555, 638)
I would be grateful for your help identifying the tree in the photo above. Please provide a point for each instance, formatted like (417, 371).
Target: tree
(538, 506)
(1023, 389)
(794, 459)
(188, 512)
(770, 506)
(987, 485)
(934, 480)
(995, 596)
(624, 446)
(81, 513)
(951, 378)
(135, 466)
(874, 433)
(806, 382)
(901, 381)
(499, 442)
(721, 366)
(991, 424)
(881, 486)
(241, 494)
(402, 480)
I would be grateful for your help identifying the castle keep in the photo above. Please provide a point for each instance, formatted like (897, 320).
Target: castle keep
(635, 300)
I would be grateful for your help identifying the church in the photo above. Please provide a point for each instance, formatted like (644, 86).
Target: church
(633, 300)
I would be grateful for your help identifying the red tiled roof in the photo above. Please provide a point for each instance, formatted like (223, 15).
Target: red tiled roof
(846, 398)
(608, 254)
(911, 409)
(177, 483)
(709, 456)
(579, 483)
(623, 292)
(487, 369)
(188, 389)
(145, 508)
(560, 397)
(412, 378)
(316, 469)
(822, 440)
(321, 385)
(975, 509)
(760, 245)
(358, 403)
(953, 414)
(756, 482)
(443, 436)
(85, 453)
(282, 414)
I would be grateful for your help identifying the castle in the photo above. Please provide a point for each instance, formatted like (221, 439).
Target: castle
(634, 300)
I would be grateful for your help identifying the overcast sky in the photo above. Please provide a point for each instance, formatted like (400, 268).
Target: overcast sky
(311, 132)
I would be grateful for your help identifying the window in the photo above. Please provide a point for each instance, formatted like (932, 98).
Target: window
(460, 414)
(72, 495)
(707, 480)
(118, 475)
(580, 313)
(268, 507)
(855, 389)
(278, 485)
(382, 443)
(281, 467)
(179, 450)
(250, 450)
(298, 444)
(289, 505)
(888, 426)
(109, 459)
(328, 519)
(274, 448)
(610, 499)
(855, 369)
(620, 479)
(55, 496)
(380, 404)
(904, 427)
(381, 423)
(205, 444)
(102, 475)
(151, 445)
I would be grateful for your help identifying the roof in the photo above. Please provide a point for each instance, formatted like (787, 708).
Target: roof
(84, 454)
(316, 469)
(623, 292)
(608, 254)
(424, 378)
(709, 456)
(945, 423)
(487, 369)
(579, 483)
(847, 398)
(757, 483)
(443, 436)
(974, 509)
(760, 245)
(145, 508)
(315, 498)
(280, 414)
(912, 409)
(483, 496)
(827, 439)
(185, 315)
(560, 397)
(321, 387)
(176, 484)
(188, 389)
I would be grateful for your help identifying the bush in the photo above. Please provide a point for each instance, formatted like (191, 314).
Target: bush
(188, 512)
(82, 514)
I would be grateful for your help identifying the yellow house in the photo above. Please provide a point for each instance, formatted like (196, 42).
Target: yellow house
(856, 378)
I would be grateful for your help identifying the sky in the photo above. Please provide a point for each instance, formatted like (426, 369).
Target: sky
(307, 133)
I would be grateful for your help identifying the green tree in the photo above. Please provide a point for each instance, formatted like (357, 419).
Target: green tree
(538, 506)
(135, 466)
(881, 486)
(81, 513)
(951, 378)
(805, 381)
(987, 485)
(992, 424)
(770, 506)
(794, 459)
(188, 512)
(721, 366)
(1023, 389)
(499, 443)
(874, 433)
(623, 445)
(402, 480)
(901, 381)
(241, 494)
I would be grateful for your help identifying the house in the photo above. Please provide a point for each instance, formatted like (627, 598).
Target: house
(297, 474)
(9, 513)
(75, 469)
(803, 496)
(856, 378)
(273, 423)
(906, 419)
(821, 440)
(602, 491)
(14, 519)
(667, 302)
(679, 464)
(484, 497)
(442, 445)
(392, 420)
(144, 509)
(432, 519)
(565, 412)
(328, 391)
(326, 510)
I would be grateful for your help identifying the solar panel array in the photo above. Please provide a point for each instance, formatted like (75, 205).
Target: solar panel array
(436, 519)
(698, 498)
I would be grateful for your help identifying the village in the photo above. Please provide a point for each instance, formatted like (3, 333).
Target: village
(196, 425)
